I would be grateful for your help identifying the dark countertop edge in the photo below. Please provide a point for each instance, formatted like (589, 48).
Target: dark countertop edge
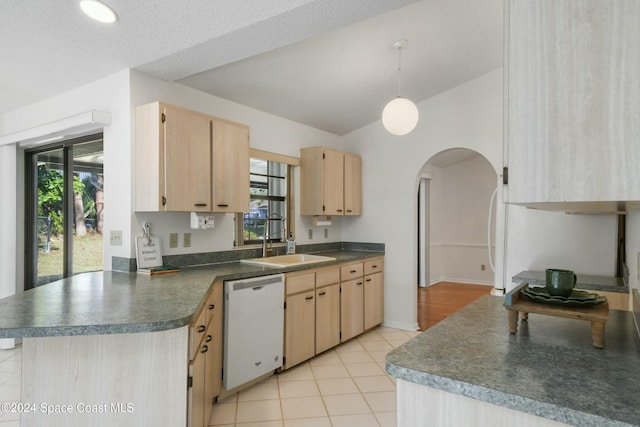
(105, 329)
(590, 285)
(500, 398)
(125, 328)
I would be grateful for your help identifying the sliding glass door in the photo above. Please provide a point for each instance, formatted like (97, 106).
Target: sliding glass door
(65, 210)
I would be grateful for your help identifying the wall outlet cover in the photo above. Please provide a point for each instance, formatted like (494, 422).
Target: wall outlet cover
(186, 242)
(173, 240)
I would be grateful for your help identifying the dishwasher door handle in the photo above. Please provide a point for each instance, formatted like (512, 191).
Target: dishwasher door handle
(257, 288)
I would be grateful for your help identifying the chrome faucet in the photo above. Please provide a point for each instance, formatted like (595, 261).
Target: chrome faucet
(266, 231)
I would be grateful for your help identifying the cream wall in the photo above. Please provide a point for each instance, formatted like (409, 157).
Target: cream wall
(268, 132)
(468, 116)
(460, 195)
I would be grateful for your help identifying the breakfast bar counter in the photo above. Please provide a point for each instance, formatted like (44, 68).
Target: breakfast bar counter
(547, 374)
(115, 348)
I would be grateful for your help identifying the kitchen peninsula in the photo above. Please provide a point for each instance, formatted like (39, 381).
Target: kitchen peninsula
(468, 370)
(111, 348)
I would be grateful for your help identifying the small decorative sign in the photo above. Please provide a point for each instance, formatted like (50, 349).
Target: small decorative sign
(148, 252)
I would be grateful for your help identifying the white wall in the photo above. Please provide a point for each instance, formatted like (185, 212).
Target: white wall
(459, 208)
(109, 94)
(268, 132)
(468, 116)
(538, 240)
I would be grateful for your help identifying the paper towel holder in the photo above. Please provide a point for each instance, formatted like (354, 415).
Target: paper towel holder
(321, 221)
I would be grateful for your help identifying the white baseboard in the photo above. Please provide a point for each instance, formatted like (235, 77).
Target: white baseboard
(459, 280)
(401, 325)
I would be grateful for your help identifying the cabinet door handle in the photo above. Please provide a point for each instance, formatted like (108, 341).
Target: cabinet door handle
(308, 298)
(374, 266)
(348, 210)
(338, 210)
(205, 348)
(223, 205)
(208, 339)
(322, 293)
(359, 283)
(212, 306)
(352, 271)
(367, 280)
(200, 205)
(201, 328)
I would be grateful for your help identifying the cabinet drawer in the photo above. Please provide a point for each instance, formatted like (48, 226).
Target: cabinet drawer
(373, 265)
(196, 332)
(299, 282)
(351, 271)
(327, 276)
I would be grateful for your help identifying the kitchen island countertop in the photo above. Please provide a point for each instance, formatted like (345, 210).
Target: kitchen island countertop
(112, 302)
(548, 369)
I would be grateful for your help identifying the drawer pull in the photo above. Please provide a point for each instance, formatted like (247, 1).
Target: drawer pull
(201, 328)
(223, 205)
(359, 283)
(208, 339)
(352, 271)
(367, 280)
(200, 205)
(322, 293)
(374, 266)
(348, 210)
(338, 210)
(308, 298)
(205, 348)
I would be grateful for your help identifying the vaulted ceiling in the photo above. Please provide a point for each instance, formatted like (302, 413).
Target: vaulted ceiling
(329, 64)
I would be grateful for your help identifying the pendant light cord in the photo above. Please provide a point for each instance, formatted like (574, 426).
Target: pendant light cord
(399, 67)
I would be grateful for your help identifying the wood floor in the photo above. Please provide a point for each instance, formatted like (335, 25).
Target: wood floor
(445, 298)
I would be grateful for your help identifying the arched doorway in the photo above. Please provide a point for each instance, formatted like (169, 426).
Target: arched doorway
(456, 219)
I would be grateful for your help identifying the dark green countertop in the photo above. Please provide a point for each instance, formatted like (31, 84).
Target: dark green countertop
(112, 302)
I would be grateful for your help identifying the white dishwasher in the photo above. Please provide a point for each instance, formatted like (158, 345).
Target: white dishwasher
(253, 328)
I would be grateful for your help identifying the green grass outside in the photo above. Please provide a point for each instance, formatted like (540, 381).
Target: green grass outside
(87, 255)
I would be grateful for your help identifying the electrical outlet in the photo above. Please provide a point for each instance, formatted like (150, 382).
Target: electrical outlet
(326, 233)
(482, 267)
(186, 242)
(173, 240)
(310, 233)
(115, 238)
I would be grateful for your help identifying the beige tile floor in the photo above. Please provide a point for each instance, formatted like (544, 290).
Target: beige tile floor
(346, 386)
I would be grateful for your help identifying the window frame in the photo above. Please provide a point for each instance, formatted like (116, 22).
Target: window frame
(291, 163)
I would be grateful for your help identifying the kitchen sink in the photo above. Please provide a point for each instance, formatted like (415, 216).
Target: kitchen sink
(288, 260)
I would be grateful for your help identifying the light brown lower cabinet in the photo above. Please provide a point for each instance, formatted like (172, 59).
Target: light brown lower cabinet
(327, 317)
(373, 300)
(205, 367)
(352, 308)
(299, 325)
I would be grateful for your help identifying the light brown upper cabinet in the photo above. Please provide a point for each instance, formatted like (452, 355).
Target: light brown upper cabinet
(187, 161)
(331, 182)
(572, 72)
(352, 184)
(230, 144)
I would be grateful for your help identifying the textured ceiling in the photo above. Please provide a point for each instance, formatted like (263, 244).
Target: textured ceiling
(326, 63)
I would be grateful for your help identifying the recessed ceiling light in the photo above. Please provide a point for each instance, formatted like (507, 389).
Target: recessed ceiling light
(98, 11)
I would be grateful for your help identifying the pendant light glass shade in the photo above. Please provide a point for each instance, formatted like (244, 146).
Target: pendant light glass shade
(400, 116)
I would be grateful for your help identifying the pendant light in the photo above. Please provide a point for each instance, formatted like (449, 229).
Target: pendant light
(400, 115)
